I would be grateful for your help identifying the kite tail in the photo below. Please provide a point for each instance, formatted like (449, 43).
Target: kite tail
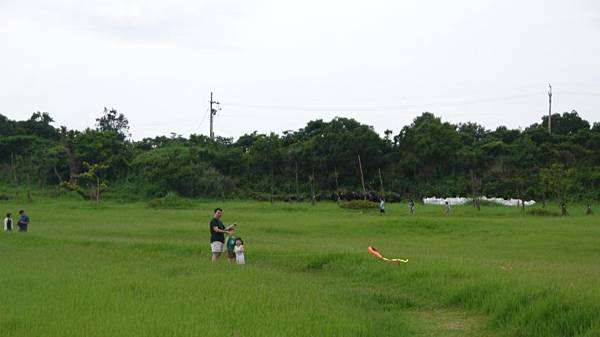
(377, 254)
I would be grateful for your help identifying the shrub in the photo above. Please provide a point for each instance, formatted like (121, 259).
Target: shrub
(172, 201)
(360, 204)
(179, 169)
(258, 196)
(542, 212)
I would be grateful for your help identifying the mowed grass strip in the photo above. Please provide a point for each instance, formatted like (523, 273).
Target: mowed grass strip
(126, 270)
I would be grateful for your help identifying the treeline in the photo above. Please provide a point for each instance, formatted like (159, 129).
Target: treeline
(341, 157)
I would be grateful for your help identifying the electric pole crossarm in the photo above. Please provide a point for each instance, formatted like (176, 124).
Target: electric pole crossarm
(213, 112)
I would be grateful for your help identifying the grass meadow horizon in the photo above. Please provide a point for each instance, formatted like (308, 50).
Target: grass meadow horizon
(124, 269)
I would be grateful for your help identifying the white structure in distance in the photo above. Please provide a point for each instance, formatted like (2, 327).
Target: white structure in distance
(462, 201)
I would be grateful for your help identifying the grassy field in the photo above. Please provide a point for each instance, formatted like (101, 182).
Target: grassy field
(127, 270)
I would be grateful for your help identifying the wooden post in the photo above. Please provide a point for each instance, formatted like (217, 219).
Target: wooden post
(380, 182)
(297, 189)
(337, 185)
(362, 178)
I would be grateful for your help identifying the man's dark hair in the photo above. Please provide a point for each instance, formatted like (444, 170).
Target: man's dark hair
(21, 211)
(218, 209)
(9, 214)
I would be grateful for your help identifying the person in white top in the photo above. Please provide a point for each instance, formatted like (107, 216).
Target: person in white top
(239, 251)
(8, 223)
(411, 206)
(447, 208)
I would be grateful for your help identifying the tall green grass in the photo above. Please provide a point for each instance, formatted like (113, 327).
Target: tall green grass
(128, 270)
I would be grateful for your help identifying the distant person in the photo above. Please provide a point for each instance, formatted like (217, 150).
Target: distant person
(563, 209)
(239, 251)
(411, 206)
(23, 222)
(8, 223)
(231, 245)
(447, 208)
(589, 210)
(382, 206)
(217, 234)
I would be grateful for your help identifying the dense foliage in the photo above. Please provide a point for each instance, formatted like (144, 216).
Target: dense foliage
(426, 158)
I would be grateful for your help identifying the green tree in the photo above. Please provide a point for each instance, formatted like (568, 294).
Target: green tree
(559, 179)
(178, 169)
(113, 121)
(94, 174)
(432, 144)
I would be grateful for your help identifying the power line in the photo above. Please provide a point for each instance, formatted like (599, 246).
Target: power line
(350, 108)
(203, 118)
(579, 93)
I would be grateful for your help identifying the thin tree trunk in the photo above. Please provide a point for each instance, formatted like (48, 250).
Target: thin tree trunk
(74, 164)
(312, 188)
(13, 166)
(60, 181)
(97, 190)
(271, 197)
(297, 188)
(29, 188)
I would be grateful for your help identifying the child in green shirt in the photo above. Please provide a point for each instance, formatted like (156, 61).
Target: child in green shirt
(231, 245)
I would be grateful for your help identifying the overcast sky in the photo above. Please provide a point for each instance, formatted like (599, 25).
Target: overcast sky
(275, 64)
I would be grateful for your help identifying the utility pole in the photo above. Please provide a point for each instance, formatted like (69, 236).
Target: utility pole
(213, 112)
(550, 109)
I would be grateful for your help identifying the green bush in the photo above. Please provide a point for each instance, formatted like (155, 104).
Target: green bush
(360, 204)
(171, 201)
(125, 192)
(179, 169)
(4, 196)
(258, 196)
(542, 212)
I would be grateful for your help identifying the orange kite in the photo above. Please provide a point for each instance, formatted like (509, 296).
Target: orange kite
(376, 253)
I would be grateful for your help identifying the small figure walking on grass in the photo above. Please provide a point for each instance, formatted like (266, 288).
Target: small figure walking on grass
(589, 210)
(239, 251)
(411, 206)
(382, 206)
(447, 208)
(563, 209)
(8, 223)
